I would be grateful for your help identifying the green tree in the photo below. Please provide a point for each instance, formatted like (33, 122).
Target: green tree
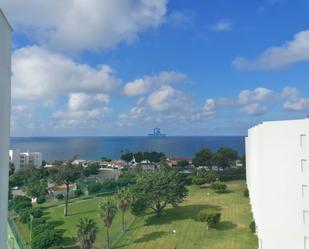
(203, 158)
(108, 210)
(11, 169)
(126, 156)
(86, 233)
(124, 199)
(36, 188)
(66, 174)
(183, 164)
(226, 157)
(160, 188)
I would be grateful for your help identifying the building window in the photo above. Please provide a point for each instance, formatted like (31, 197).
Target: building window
(306, 217)
(306, 243)
(303, 140)
(304, 166)
(305, 191)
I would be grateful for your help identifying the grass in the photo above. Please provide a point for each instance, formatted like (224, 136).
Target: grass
(151, 232)
(233, 231)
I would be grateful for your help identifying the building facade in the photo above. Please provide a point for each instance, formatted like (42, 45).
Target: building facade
(14, 157)
(277, 155)
(5, 101)
(23, 159)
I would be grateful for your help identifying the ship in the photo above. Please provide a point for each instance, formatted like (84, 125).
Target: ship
(156, 133)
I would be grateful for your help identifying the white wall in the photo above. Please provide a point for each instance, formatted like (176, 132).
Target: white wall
(5, 93)
(277, 170)
(15, 159)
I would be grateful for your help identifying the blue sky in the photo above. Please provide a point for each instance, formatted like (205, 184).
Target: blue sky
(119, 67)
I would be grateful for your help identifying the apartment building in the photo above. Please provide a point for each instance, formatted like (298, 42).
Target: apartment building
(22, 159)
(5, 93)
(277, 156)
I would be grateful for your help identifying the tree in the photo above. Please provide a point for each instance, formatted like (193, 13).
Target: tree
(160, 188)
(203, 158)
(67, 174)
(124, 199)
(138, 157)
(36, 188)
(11, 169)
(226, 157)
(126, 156)
(103, 158)
(108, 211)
(183, 164)
(210, 215)
(86, 233)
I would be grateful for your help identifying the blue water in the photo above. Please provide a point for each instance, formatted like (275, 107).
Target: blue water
(59, 148)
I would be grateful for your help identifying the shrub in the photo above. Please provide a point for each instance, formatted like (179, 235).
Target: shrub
(59, 197)
(253, 226)
(198, 181)
(37, 212)
(78, 192)
(38, 221)
(218, 186)
(94, 187)
(40, 200)
(212, 176)
(138, 207)
(46, 239)
(211, 215)
(17, 200)
(246, 193)
(24, 216)
(22, 206)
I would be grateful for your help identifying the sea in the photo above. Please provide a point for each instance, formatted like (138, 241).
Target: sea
(93, 148)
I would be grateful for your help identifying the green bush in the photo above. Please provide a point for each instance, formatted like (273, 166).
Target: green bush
(199, 181)
(78, 192)
(218, 186)
(37, 212)
(94, 187)
(246, 193)
(22, 206)
(40, 200)
(19, 202)
(24, 216)
(38, 221)
(46, 239)
(210, 215)
(252, 226)
(138, 207)
(59, 197)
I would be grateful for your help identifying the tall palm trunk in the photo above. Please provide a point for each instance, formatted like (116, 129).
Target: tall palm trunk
(107, 237)
(122, 220)
(66, 200)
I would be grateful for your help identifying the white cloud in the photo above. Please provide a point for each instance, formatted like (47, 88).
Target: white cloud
(223, 25)
(82, 101)
(147, 83)
(255, 109)
(167, 99)
(259, 94)
(291, 52)
(209, 107)
(85, 25)
(299, 105)
(39, 74)
(290, 93)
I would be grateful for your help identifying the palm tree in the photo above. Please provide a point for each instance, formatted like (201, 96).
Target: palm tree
(86, 233)
(108, 212)
(124, 199)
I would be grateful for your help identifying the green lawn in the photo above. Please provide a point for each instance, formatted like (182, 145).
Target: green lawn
(151, 232)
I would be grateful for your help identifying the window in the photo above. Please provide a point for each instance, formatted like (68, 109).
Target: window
(305, 191)
(303, 140)
(306, 217)
(306, 243)
(304, 166)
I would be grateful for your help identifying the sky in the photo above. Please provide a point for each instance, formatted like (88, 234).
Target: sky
(190, 67)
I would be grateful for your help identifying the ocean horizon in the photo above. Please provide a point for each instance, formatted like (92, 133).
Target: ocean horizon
(95, 147)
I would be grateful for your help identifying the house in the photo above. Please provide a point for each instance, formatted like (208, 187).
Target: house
(147, 165)
(173, 161)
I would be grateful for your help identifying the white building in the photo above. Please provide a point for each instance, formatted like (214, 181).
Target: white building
(23, 159)
(30, 158)
(278, 181)
(5, 95)
(14, 157)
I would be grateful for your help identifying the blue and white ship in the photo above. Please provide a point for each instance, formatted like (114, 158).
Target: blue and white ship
(157, 133)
